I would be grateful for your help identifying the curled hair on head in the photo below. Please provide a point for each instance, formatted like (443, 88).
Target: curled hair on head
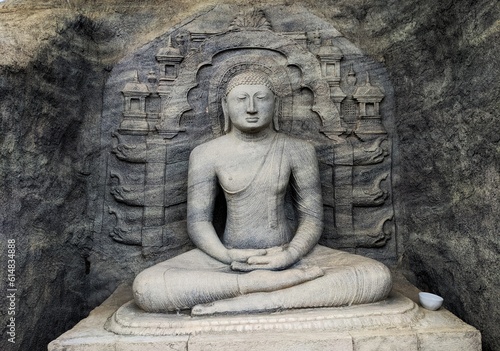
(250, 78)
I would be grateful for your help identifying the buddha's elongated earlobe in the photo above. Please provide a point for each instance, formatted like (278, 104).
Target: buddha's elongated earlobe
(276, 113)
(227, 121)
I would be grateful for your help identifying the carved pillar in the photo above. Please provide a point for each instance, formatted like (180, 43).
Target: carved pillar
(154, 192)
(168, 60)
(134, 111)
(330, 57)
(342, 180)
(369, 98)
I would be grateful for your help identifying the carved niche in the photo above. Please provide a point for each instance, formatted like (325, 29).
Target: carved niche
(165, 100)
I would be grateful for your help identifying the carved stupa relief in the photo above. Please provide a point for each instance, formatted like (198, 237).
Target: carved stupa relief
(169, 102)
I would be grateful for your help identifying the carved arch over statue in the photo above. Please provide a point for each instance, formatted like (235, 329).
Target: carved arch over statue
(179, 79)
(263, 39)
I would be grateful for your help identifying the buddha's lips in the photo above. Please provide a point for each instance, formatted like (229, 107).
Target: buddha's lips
(252, 119)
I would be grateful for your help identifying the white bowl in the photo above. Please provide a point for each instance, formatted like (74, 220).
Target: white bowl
(430, 301)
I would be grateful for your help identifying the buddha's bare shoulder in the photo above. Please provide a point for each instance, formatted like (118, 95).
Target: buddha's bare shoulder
(212, 149)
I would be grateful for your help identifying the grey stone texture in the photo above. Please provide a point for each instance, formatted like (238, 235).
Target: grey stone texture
(393, 324)
(56, 56)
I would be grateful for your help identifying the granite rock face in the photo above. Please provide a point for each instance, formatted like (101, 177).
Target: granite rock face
(56, 57)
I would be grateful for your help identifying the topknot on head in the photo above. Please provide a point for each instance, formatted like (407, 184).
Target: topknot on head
(249, 78)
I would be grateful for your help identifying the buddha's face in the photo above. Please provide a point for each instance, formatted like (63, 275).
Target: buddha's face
(250, 107)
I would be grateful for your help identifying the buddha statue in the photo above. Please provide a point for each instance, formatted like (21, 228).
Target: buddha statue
(262, 261)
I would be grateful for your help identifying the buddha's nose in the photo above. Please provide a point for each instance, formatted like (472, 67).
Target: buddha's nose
(251, 107)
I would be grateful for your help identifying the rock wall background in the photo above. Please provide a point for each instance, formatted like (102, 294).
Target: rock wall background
(55, 56)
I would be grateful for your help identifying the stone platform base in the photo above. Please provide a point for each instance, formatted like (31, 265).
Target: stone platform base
(396, 324)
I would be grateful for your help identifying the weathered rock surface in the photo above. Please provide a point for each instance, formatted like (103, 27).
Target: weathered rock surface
(55, 57)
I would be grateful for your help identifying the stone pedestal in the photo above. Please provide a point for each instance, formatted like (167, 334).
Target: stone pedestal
(395, 324)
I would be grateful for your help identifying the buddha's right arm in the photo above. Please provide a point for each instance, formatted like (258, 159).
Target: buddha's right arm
(205, 238)
(202, 190)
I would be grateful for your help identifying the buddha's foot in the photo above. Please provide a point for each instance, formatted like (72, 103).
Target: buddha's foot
(228, 306)
(265, 281)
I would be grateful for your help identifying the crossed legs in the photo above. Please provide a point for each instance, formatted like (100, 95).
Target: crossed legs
(325, 277)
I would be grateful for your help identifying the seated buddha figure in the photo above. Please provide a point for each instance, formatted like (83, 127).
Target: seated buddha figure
(261, 262)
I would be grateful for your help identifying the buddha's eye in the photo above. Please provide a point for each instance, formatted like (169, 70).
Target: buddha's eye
(241, 97)
(261, 97)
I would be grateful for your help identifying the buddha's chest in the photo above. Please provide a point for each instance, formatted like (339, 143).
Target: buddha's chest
(238, 170)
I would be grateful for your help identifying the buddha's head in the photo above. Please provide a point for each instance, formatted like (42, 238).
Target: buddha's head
(249, 103)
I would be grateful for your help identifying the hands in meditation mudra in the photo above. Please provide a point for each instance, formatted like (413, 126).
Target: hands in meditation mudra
(262, 262)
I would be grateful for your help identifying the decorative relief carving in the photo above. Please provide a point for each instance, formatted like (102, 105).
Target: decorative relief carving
(376, 236)
(176, 106)
(370, 153)
(123, 232)
(129, 152)
(370, 195)
(250, 19)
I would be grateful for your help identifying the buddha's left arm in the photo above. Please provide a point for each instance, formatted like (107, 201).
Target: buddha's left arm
(307, 198)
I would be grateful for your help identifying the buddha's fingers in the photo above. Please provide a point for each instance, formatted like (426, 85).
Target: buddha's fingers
(242, 255)
(245, 267)
(276, 261)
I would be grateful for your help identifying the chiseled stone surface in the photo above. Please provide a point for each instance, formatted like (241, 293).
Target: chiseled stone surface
(268, 342)
(368, 340)
(56, 56)
(427, 331)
